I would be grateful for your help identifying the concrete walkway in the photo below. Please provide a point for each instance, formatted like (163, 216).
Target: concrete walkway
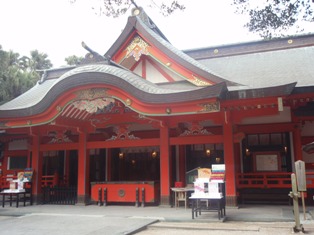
(112, 219)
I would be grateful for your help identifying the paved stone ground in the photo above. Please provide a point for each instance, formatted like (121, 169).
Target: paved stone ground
(150, 220)
(69, 224)
(239, 228)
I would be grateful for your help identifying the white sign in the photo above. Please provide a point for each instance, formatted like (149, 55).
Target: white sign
(300, 174)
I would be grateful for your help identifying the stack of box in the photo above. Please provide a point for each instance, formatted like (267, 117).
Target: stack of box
(218, 173)
(207, 183)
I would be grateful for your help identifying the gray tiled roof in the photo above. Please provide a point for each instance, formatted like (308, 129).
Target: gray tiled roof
(29, 98)
(252, 70)
(266, 69)
(41, 96)
(39, 91)
(153, 35)
(189, 61)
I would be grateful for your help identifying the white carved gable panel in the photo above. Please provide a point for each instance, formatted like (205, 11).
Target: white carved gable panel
(156, 75)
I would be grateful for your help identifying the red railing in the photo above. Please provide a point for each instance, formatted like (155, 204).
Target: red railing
(310, 179)
(46, 180)
(270, 180)
(49, 180)
(53, 180)
(5, 181)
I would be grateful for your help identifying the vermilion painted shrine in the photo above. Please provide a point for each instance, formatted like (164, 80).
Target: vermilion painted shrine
(145, 113)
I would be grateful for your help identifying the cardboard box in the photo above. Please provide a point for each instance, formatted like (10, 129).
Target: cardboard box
(204, 173)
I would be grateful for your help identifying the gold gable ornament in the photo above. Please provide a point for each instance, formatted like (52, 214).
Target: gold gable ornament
(137, 48)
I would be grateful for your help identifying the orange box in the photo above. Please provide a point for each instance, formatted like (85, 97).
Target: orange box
(204, 173)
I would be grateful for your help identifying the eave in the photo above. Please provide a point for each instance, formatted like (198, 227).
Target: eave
(138, 94)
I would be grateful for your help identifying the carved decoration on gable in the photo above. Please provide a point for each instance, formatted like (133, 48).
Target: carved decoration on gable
(92, 100)
(195, 129)
(210, 107)
(137, 48)
(92, 106)
(123, 133)
(92, 93)
(199, 82)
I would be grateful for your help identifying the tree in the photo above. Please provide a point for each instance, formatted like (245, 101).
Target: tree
(273, 18)
(268, 18)
(18, 74)
(39, 61)
(73, 60)
(115, 8)
(36, 62)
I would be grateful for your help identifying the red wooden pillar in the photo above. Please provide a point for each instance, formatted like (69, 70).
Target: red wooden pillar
(5, 160)
(297, 144)
(164, 167)
(231, 194)
(67, 167)
(182, 166)
(29, 158)
(108, 165)
(37, 168)
(237, 157)
(83, 196)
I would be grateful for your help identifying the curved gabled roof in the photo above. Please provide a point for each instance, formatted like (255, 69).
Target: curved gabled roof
(153, 35)
(41, 96)
(108, 74)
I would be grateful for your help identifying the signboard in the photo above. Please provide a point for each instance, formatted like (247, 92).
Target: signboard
(218, 172)
(300, 174)
(266, 162)
(28, 174)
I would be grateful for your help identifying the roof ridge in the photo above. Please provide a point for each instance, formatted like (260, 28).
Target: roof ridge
(236, 49)
(142, 15)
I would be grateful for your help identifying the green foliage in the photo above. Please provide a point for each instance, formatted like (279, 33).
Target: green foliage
(169, 9)
(274, 18)
(39, 61)
(115, 8)
(73, 60)
(18, 74)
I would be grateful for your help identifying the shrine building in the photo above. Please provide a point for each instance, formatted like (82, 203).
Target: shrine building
(145, 114)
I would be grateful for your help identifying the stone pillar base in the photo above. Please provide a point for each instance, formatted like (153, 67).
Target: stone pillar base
(165, 201)
(37, 199)
(232, 201)
(83, 200)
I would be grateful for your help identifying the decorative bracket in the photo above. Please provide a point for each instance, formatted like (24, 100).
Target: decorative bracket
(58, 137)
(195, 129)
(123, 133)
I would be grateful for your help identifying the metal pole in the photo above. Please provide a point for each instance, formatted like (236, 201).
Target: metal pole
(143, 197)
(99, 197)
(136, 197)
(105, 197)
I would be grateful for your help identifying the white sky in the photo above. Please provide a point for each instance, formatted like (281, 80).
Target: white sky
(57, 27)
